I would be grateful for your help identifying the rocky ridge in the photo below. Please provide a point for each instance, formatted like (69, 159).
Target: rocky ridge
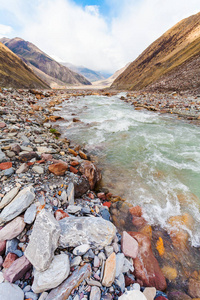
(56, 239)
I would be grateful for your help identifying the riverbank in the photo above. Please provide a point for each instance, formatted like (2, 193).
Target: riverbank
(33, 155)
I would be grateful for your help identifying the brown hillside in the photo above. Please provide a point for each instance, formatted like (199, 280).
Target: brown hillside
(15, 73)
(164, 59)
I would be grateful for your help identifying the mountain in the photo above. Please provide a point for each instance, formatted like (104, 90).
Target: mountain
(107, 82)
(87, 73)
(172, 62)
(41, 62)
(15, 73)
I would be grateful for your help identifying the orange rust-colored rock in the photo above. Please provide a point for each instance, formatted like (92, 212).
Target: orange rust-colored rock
(147, 269)
(74, 163)
(83, 155)
(160, 246)
(58, 168)
(73, 170)
(5, 165)
(136, 211)
(109, 271)
(72, 152)
(169, 272)
(147, 230)
(91, 172)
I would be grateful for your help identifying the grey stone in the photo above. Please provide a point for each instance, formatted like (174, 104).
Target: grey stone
(80, 250)
(9, 197)
(96, 232)
(43, 296)
(22, 169)
(11, 245)
(101, 256)
(30, 214)
(9, 172)
(108, 250)
(128, 265)
(57, 272)
(92, 282)
(38, 169)
(43, 241)
(18, 205)
(64, 196)
(31, 295)
(76, 261)
(7, 290)
(2, 156)
(73, 209)
(95, 293)
(70, 193)
(119, 263)
(120, 281)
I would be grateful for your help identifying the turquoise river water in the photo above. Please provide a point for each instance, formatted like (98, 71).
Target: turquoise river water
(147, 158)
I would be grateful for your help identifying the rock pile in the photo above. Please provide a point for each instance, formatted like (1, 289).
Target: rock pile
(56, 239)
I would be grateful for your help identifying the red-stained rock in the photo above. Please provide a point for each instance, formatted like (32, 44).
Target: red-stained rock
(161, 298)
(2, 247)
(138, 221)
(74, 163)
(73, 170)
(17, 270)
(2, 124)
(108, 204)
(146, 265)
(5, 165)
(91, 172)
(10, 258)
(101, 196)
(128, 280)
(129, 245)
(60, 214)
(136, 211)
(59, 168)
(16, 148)
(46, 156)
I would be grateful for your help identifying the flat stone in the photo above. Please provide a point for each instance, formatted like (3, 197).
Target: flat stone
(57, 272)
(128, 265)
(119, 263)
(70, 193)
(76, 261)
(64, 290)
(133, 295)
(12, 229)
(9, 172)
(5, 165)
(18, 205)
(38, 169)
(73, 209)
(30, 214)
(7, 290)
(95, 293)
(64, 197)
(43, 241)
(96, 232)
(2, 156)
(80, 250)
(109, 271)
(150, 293)
(22, 169)
(17, 270)
(120, 281)
(59, 168)
(9, 197)
(129, 245)
(45, 150)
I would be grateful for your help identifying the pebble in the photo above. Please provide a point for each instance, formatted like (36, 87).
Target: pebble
(110, 270)
(38, 169)
(133, 295)
(79, 250)
(95, 293)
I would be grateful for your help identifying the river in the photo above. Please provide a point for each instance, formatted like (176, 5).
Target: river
(150, 159)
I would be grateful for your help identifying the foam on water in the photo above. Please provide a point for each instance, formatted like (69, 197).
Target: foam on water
(146, 158)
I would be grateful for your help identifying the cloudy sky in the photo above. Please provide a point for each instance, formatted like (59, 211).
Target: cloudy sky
(102, 35)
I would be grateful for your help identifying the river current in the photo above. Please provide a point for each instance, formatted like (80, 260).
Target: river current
(150, 159)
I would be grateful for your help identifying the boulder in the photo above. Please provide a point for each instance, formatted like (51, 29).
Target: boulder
(7, 290)
(12, 229)
(18, 205)
(147, 269)
(43, 241)
(17, 269)
(64, 290)
(57, 272)
(91, 172)
(96, 232)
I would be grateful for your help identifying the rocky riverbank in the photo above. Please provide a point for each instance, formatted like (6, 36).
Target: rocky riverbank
(57, 240)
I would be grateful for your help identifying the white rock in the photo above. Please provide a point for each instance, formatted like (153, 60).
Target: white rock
(136, 286)
(128, 265)
(9, 197)
(86, 230)
(76, 261)
(1, 277)
(81, 250)
(70, 193)
(41, 150)
(57, 272)
(64, 196)
(119, 263)
(43, 296)
(133, 295)
(30, 214)
(95, 293)
(18, 205)
(38, 169)
(12, 229)
(10, 291)
(43, 241)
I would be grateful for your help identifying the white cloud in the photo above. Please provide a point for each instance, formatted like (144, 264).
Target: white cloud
(82, 36)
(5, 30)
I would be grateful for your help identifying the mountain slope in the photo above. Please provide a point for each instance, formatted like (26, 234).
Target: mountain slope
(87, 73)
(163, 60)
(36, 58)
(15, 73)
